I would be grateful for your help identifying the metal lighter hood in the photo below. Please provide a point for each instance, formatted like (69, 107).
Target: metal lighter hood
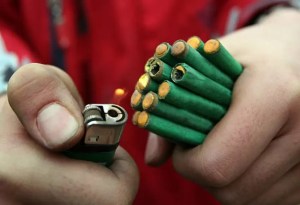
(104, 123)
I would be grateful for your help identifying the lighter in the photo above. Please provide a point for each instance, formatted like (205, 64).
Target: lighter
(104, 125)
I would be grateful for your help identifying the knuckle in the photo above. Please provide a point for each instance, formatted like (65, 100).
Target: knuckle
(214, 173)
(209, 169)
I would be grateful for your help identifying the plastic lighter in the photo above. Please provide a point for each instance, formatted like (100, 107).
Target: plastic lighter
(104, 125)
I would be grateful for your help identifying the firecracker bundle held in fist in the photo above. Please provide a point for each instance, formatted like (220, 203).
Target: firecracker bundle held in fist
(186, 89)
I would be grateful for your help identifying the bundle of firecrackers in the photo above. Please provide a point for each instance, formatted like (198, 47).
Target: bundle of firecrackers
(186, 89)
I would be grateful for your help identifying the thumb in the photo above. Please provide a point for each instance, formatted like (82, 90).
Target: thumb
(48, 105)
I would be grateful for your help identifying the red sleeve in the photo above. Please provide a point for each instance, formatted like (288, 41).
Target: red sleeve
(14, 50)
(235, 14)
(13, 31)
(13, 53)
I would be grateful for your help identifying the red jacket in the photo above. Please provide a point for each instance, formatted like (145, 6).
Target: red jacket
(108, 49)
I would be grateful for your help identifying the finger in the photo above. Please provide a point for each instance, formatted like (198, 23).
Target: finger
(244, 132)
(273, 164)
(37, 176)
(158, 150)
(285, 191)
(125, 168)
(45, 104)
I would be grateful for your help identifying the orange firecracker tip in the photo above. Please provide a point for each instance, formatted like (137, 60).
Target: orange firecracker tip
(143, 119)
(179, 48)
(178, 72)
(144, 81)
(136, 98)
(163, 90)
(161, 49)
(150, 101)
(195, 42)
(135, 117)
(212, 46)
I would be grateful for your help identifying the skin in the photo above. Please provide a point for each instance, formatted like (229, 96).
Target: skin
(252, 155)
(32, 171)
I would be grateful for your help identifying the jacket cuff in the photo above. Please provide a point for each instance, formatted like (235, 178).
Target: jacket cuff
(242, 13)
(261, 7)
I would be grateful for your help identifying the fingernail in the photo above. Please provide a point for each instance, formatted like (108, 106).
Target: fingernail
(56, 125)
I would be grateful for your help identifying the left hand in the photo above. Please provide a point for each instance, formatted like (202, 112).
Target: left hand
(252, 154)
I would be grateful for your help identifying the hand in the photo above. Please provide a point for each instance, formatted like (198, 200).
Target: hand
(252, 155)
(40, 115)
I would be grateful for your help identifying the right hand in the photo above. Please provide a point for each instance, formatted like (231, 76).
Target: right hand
(41, 115)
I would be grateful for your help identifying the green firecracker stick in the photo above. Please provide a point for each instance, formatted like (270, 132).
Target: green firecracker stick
(160, 71)
(163, 52)
(148, 64)
(216, 53)
(185, 99)
(136, 100)
(187, 54)
(191, 79)
(196, 43)
(135, 117)
(153, 105)
(170, 130)
(146, 84)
